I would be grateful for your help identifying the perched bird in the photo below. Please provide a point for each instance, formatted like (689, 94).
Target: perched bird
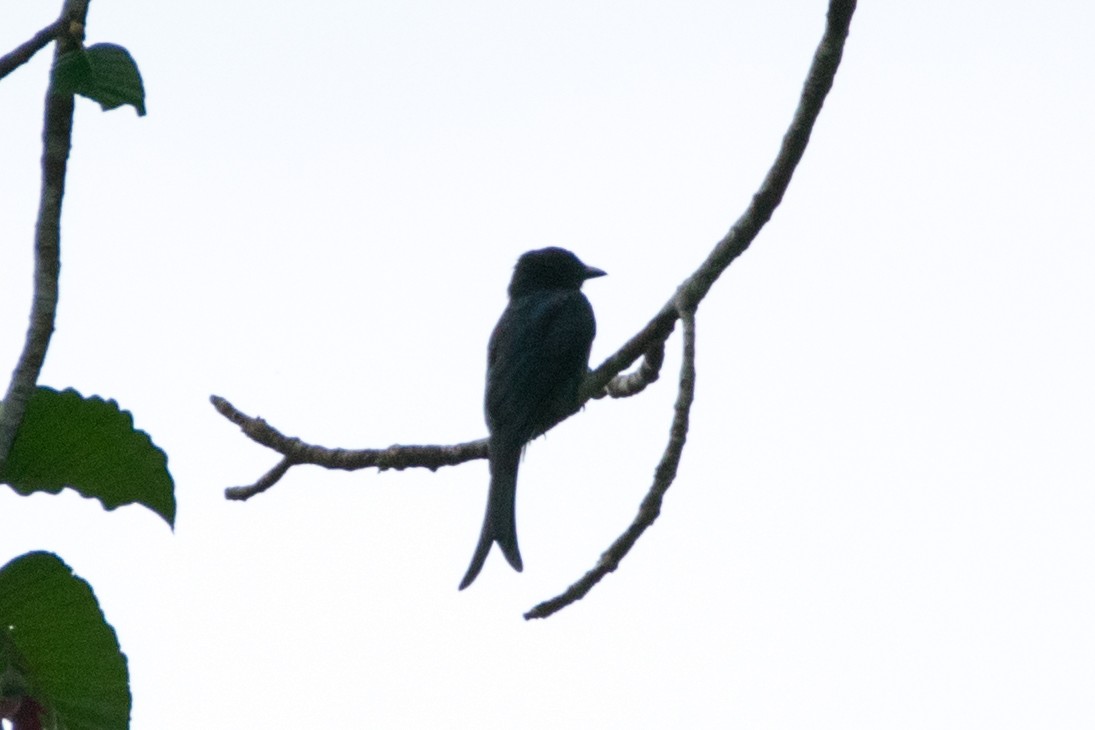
(536, 360)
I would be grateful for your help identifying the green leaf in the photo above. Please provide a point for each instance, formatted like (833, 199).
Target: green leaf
(105, 73)
(90, 445)
(116, 78)
(72, 72)
(52, 627)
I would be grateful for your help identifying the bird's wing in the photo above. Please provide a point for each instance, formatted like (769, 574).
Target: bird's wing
(538, 355)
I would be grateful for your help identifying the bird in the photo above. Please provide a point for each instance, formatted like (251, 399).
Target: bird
(537, 357)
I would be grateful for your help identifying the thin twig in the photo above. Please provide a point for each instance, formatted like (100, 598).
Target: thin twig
(664, 474)
(26, 51)
(635, 382)
(296, 451)
(56, 143)
(264, 482)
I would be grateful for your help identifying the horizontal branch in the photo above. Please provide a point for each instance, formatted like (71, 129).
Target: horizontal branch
(296, 451)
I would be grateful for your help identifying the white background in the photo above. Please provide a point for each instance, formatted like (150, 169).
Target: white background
(884, 516)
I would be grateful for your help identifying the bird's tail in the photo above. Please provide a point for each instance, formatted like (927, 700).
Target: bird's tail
(499, 523)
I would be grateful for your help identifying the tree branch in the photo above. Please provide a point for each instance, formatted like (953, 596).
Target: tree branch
(56, 143)
(624, 386)
(664, 474)
(819, 81)
(296, 451)
(26, 51)
(683, 305)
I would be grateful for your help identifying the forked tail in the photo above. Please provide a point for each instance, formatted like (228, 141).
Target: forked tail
(499, 523)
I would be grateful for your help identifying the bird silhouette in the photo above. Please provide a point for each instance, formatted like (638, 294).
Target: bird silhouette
(536, 360)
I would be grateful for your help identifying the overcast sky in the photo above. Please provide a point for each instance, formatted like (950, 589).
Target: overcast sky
(884, 516)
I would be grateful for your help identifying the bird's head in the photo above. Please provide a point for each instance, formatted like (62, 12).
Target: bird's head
(549, 268)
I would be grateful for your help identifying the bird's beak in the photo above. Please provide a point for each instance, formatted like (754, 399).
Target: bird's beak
(593, 273)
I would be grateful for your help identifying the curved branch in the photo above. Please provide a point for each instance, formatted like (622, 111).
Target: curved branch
(264, 482)
(633, 383)
(819, 80)
(56, 143)
(664, 475)
(688, 297)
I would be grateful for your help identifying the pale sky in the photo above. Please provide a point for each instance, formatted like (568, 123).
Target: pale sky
(885, 515)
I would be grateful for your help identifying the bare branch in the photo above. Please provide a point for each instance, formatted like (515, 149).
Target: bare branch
(264, 482)
(688, 297)
(296, 451)
(56, 143)
(651, 505)
(633, 383)
(26, 51)
(819, 81)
